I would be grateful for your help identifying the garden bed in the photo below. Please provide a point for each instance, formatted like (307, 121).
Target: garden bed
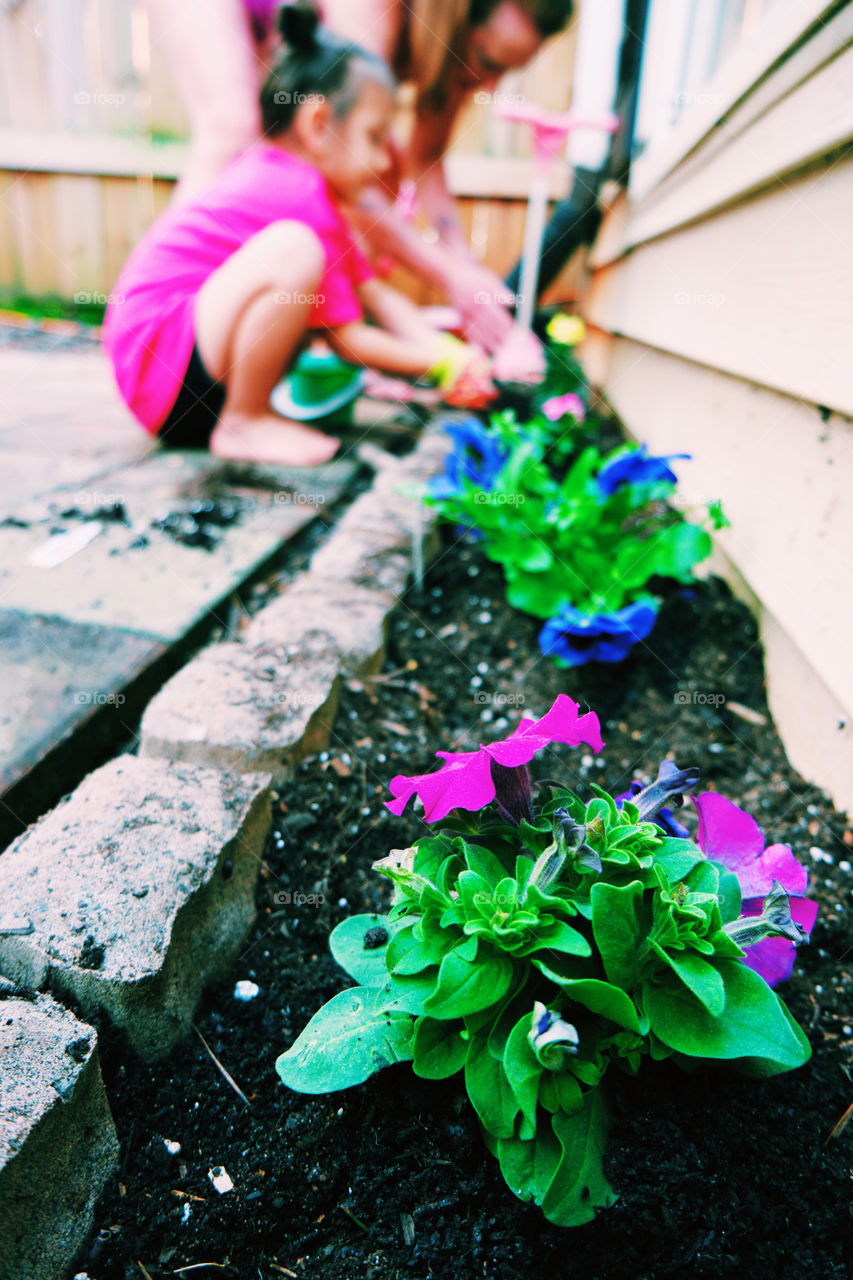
(716, 1173)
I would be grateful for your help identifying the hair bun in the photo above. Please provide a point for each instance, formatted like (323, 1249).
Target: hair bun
(298, 23)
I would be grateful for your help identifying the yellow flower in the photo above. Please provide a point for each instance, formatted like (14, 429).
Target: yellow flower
(566, 329)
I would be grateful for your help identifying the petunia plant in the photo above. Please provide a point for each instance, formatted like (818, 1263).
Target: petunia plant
(579, 550)
(538, 942)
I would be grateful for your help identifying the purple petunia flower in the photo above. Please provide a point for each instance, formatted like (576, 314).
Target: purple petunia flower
(574, 638)
(732, 837)
(634, 466)
(472, 779)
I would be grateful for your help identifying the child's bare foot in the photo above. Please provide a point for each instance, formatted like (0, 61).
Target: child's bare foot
(270, 438)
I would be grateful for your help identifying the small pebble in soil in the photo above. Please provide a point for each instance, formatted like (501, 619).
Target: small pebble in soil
(245, 990)
(375, 937)
(173, 1148)
(219, 1177)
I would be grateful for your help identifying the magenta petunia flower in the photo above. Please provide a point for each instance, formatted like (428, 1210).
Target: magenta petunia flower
(472, 779)
(557, 407)
(732, 837)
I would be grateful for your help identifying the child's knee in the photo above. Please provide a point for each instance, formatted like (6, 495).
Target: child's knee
(293, 250)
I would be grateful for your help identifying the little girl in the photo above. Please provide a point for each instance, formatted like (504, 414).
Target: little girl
(214, 303)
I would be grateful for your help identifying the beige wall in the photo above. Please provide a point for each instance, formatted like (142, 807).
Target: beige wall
(721, 311)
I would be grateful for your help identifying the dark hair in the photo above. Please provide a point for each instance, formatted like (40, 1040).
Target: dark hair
(548, 16)
(439, 28)
(314, 63)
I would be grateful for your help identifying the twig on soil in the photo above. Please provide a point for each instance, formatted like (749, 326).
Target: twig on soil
(841, 1125)
(147, 1274)
(219, 1066)
(358, 1222)
(195, 1266)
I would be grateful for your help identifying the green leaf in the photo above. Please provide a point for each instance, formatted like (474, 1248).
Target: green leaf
(617, 929)
(678, 548)
(438, 1049)
(406, 953)
(677, 858)
(599, 997)
(558, 936)
(523, 1070)
(489, 1090)
(560, 1091)
(534, 556)
(528, 1165)
(579, 1188)
(365, 964)
(486, 864)
(465, 986)
(345, 1043)
(754, 1025)
(407, 993)
(699, 976)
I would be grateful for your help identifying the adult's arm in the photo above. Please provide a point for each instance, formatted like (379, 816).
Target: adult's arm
(374, 24)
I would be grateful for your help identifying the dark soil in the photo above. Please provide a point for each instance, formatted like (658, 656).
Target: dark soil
(718, 1175)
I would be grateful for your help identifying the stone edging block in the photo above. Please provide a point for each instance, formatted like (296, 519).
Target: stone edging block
(264, 702)
(319, 618)
(135, 892)
(239, 709)
(58, 1142)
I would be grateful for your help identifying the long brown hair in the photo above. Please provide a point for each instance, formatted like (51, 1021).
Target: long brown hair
(438, 31)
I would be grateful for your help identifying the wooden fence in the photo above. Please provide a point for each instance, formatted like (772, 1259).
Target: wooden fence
(92, 137)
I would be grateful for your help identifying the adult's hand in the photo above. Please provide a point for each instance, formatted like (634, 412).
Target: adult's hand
(520, 357)
(482, 299)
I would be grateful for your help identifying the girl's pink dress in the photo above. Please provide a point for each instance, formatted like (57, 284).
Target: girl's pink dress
(149, 328)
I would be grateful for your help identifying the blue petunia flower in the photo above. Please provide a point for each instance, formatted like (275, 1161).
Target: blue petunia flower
(477, 457)
(634, 466)
(574, 638)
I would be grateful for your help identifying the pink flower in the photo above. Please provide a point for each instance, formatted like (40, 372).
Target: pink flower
(730, 836)
(557, 407)
(468, 779)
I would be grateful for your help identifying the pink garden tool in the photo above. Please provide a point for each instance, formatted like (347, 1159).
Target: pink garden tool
(550, 130)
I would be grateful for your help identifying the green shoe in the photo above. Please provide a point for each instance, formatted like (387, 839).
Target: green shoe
(319, 385)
